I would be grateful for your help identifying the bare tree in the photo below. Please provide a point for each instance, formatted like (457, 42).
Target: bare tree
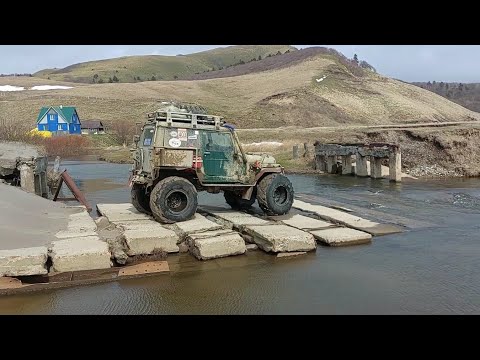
(122, 131)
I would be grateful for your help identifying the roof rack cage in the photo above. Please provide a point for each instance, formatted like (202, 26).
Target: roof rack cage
(171, 118)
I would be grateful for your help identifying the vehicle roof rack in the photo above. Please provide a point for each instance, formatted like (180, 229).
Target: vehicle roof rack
(172, 118)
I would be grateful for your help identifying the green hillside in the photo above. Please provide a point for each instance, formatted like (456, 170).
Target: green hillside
(158, 67)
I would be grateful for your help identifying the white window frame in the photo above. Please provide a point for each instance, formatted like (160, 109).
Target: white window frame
(59, 127)
(52, 117)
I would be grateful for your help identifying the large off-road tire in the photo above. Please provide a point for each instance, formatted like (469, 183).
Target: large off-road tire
(236, 202)
(140, 200)
(173, 199)
(275, 194)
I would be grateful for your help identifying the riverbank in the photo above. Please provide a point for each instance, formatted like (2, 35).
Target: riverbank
(429, 152)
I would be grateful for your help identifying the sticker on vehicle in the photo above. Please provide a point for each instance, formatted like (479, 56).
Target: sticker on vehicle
(192, 137)
(175, 143)
(182, 134)
(173, 134)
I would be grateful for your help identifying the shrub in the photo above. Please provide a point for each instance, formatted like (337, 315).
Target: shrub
(66, 145)
(122, 131)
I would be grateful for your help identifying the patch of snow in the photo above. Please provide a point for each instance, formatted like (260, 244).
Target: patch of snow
(50, 87)
(264, 143)
(11, 88)
(321, 79)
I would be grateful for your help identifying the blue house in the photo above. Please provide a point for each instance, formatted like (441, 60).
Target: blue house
(59, 120)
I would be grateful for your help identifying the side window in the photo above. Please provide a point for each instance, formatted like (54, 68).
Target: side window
(218, 142)
(148, 136)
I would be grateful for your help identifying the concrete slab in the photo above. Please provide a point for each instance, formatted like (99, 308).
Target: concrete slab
(218, 246)
(280, 238)
(76, 254)
(211, 233)
(346, 219)
(80, 224)
(303, 222)
(44, 219)
(102, 223)
(290, 254)
(198, 223)
(140, 225)
(341, 236)
(236, 219)
(23, 262)
(121, 212)
(145, 241)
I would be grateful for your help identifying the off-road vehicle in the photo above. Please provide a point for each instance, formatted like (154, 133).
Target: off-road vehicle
(183, 150)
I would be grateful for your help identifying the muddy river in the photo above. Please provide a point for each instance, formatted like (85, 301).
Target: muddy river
(433, 267)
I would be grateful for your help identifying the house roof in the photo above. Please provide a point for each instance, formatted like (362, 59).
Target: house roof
(65, 111)
(91, 124)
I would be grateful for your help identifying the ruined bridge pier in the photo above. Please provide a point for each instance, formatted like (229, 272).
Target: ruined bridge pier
(337, 159)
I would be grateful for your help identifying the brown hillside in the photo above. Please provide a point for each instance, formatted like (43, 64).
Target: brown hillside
(283, 93)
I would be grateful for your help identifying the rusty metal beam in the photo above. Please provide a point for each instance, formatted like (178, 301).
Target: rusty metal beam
(67, 179)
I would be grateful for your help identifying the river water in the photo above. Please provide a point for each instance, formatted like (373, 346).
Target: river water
(433, 267)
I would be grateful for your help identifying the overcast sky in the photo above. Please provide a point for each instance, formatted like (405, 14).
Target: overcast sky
(452, 63)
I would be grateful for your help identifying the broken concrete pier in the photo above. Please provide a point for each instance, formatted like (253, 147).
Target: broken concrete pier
(21, 164)
(326, 155)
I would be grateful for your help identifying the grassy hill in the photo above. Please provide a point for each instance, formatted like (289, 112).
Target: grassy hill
(158, 67)
(281, 91)
(465, 94)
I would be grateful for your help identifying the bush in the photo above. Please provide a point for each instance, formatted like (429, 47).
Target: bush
(13, 131)
(122, 131)
(66, 145)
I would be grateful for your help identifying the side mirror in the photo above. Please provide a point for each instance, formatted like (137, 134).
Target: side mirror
(136, 138)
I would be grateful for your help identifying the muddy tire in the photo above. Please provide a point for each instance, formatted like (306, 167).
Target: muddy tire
(173, 199)
(236, 202)
(140, 200)
(275, 194)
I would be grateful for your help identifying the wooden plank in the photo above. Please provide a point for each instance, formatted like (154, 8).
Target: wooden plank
(10, 283)
(145, 268)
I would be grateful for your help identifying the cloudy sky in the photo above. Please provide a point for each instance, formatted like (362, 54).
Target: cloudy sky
(452, 63)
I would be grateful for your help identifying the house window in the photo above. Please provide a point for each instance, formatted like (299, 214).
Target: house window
(59, 127)
(52, 117)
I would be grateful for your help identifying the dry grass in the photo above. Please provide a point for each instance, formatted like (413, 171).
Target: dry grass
(284, 104)
(281, 97)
